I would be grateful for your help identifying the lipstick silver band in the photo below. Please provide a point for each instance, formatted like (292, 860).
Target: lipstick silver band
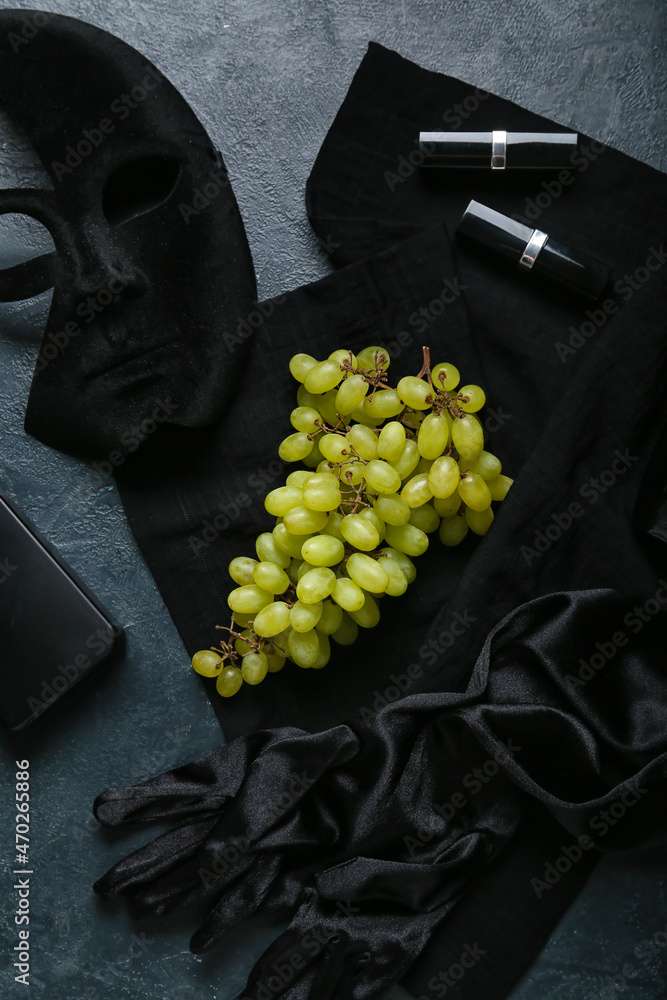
(498, 150)
(533, 247)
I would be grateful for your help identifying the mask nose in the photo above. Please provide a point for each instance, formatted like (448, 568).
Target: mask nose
(106, 277)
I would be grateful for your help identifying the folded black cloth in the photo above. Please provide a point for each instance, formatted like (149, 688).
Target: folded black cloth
(368, 835)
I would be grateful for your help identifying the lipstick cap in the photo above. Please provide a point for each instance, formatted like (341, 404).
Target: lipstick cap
(532, 250)
(498, 150)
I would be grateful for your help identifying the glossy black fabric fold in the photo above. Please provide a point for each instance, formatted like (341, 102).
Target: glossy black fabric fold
(293, 822)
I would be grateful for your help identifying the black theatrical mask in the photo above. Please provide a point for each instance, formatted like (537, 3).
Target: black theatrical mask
(573, 415)
(151, 264)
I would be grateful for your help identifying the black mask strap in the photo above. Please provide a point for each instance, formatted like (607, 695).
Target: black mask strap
(30, 278)
(37, 275)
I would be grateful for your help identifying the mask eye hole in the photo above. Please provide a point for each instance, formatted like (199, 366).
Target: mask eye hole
(139, 187)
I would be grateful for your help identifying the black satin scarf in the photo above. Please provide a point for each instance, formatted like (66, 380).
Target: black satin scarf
(566, 424)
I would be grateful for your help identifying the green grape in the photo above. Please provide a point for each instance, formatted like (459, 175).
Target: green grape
(361, 417)
(385, 403)
(322, 377)
(415, 392)
(270, 577)
(332, 527)
(287, 542)
(360, 532)
(351, 393)
(382, 477)
(243, 645)
(323, 550)
(254, 667)
(332, 616)
(417, 490)
(268, 550)
(295, 447)
(369, 615)
(321, 492)
(443, 477)
(374, 518)
(348, 594)
(300, 365)
(229, 681)
(433, 436)
(407, 539)
(303, 568)
(474, 492)
(275, 662)
(240, 569)
(367, 573)
(305, 398)
(298, 478)
(207, 663)
(468, 437)
(315, 585)
(391, 442)
(424, 465)
(279, 501)
(479, 521)
(314, 458)
(352, 473)
(326, 404)
(499, 487)
(343, 356)
(327, 467)
(367, 359)
(398, 583)
(249, 599)
(453, 530)
(347, 632)
(364, 441)
(448, 506)
(304, 617)
(241, 619)
(272, 619)
(293, 569)
(473, 400)
(392, 508)
(406, 464)
(487, 466)
(413, 419)
(306, 419)
(450, 376)
(304, 648)
(404, 561)
(425, 518)
(304, 521)
(325, 650)
(334, 447)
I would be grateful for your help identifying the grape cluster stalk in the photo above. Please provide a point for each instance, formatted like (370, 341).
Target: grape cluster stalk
(385, 469)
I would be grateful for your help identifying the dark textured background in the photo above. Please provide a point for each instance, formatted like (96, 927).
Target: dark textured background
(266, 80)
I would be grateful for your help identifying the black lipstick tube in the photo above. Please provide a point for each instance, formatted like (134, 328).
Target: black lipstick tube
(498, 150)
(533, 250)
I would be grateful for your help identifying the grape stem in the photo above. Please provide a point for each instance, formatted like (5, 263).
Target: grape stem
(426, 364)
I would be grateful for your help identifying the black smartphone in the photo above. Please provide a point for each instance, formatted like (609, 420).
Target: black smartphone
(53, 630)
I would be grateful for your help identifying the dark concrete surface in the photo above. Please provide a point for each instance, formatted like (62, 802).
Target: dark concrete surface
(266, 79)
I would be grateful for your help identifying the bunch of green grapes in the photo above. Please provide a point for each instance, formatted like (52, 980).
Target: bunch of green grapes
(385, 468)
